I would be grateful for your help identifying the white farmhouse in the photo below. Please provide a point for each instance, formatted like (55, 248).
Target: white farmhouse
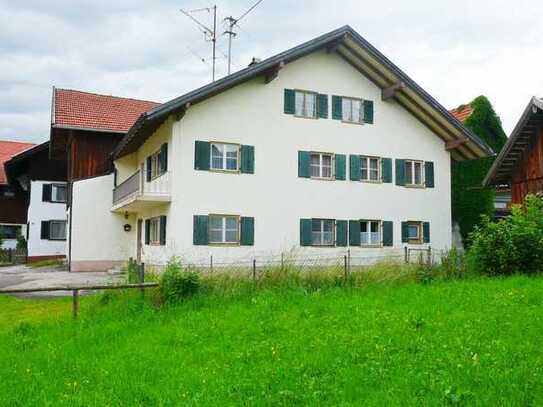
(324, 148)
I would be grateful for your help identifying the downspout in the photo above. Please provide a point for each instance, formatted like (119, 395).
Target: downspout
(71, 222)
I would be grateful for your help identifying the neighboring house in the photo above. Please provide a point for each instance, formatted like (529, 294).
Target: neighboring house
(520, 162)
(85, 128)
(324, 147)
(13, 200)
(45, 182)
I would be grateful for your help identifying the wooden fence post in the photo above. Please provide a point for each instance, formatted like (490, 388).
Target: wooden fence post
(345, 271)
(141, 278)
(75, 303)
(406, 254)
(211, 263)
(254, 270)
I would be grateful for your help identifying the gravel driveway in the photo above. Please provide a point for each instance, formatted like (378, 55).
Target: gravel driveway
(26, 277)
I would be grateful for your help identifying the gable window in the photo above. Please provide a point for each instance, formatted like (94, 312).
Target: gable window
(352, 110)
(322, 232)
(370, 168)
(224, 157)
(370, 233)
(223, 229)
(414, 173)
(58, 193)
(321, 165)
(57, 230)
(305, 104)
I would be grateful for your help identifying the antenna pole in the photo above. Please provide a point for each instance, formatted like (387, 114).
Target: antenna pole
(214, 38)
(231, 22)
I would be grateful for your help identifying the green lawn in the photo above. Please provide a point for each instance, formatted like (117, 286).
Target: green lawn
(475, 342)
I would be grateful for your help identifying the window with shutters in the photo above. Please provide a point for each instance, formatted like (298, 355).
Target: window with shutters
(370, 169)
(154, 231)
(156, 167)
(322, 165)
(352, 110)
(414, 232)
(322, 232)
(224, 157)
(305, 104)
(57, 230)
(370, 233)
(414, 173)
(58, 193)
(223, 229)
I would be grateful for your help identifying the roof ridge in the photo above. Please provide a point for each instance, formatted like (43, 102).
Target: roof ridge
(111, 96)
(18, 142)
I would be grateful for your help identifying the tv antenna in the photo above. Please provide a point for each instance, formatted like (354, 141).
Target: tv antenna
(231, 33)
(210, 34)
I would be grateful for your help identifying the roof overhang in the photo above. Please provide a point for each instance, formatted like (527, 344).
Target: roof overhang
(16, 165)
(524, 133)
(359, 53)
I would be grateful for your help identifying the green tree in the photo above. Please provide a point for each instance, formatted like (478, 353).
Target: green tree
(469, 200)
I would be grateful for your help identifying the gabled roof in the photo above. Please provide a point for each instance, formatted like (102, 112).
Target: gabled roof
(357, 52)
(8, 149)
(75, 109)
(462, 112)
(523, 134)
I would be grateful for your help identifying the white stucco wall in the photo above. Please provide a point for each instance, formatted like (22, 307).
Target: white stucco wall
(99, 241)
(275, 196)
(39, 211)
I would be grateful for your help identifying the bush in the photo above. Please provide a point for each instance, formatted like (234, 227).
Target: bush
(176, 284)
(512, 245)
(452, 265)
(21, 242)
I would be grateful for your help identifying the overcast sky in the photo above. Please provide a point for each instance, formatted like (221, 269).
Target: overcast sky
(455, 49)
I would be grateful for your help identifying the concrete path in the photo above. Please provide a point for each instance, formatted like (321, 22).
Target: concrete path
(26, 277)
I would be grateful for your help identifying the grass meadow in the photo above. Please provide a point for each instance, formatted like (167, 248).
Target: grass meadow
(454, 342)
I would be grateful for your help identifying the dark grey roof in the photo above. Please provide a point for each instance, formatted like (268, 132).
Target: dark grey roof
(524, 132)
(345, 38)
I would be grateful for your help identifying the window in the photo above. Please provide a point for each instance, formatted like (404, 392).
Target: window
(305, 104)
(223, 229)
(322, 232)
(370, 233)
(154, 161)
(414, 231)
(8, 192)
(57, 230)
(58, 193)
(321, 165)
(352, 110)
(370, 169)
(414, 172)
(9, 231)
(154, 231)
(224, 157)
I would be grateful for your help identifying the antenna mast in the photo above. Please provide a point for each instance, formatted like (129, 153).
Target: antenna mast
(210, 33)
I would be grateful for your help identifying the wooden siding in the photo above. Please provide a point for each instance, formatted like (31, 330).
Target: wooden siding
(13, 209)
(528, 177)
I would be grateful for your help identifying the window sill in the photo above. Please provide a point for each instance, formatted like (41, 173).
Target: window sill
(224, 244)
(371, 246)
(306, 117)
(328, 246)
(225, 171)
(349, 122)
(323, 179)
(414, 186)
(367, 181)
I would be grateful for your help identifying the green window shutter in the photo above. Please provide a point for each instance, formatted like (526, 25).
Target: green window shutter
(426, 231)
(202, 155)
(386, 170)
(304, 164)
(341, 233)
(354, 233)
(429, 174)
(247, 159)
(405, 232)
(322, 106)
(148, 169)
(388, 233)
(247, 231)
(368, 111)
(289, 101)
(147, 231)
(163, 230)
(341, 166)
(44, 232)
(199, 232)
(337, 108)
(355, 171)
(305, 232)
(400, 172)
(164, 157)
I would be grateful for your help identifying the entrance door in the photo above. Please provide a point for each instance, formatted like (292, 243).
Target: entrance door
(139, 235)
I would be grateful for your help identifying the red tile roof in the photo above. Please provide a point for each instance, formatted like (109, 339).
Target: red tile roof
(76, 109)
(462, 112)
(7, 150)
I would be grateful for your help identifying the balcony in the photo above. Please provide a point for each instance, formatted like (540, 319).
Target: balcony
(135, 194)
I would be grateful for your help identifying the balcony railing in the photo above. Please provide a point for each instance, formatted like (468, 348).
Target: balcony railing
(129, 187)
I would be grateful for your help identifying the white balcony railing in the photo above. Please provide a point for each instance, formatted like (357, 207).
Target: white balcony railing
(137, 187)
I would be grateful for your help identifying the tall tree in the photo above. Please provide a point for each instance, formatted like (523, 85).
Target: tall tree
(469, 199)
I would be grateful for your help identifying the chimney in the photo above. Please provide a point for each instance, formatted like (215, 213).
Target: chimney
(255, 61)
